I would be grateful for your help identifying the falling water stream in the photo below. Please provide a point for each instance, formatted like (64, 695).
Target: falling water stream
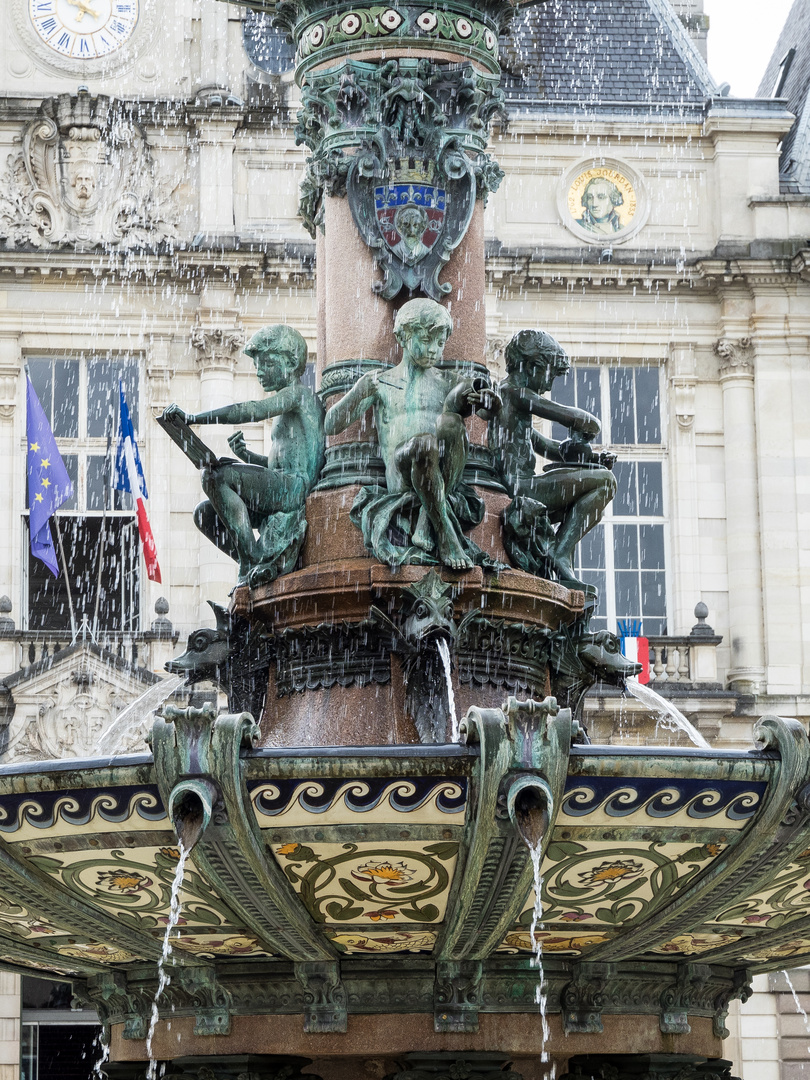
(163, 976)
(799, 1007)
(666, 710)
(120, 736)
(444, 653)
(541, 997)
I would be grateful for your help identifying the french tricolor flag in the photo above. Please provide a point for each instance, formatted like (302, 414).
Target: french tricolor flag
(129, 477)
(635, 647)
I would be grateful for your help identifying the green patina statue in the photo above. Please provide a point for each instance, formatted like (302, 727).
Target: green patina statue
(577, 484)
(265, 494)
(419, 411)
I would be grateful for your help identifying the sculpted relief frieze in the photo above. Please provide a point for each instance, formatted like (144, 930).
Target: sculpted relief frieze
(85, 175)
(61, 708)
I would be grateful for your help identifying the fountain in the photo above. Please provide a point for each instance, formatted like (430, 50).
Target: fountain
(360, 863)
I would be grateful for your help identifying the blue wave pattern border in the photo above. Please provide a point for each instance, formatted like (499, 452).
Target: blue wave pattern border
(620, 797)
(405, 794)
(78, 807)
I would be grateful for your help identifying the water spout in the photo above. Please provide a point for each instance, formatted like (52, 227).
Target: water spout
(529, 803)
(191, 804)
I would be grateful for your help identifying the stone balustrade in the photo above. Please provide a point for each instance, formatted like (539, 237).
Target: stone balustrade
(135, 650)
(687, 660)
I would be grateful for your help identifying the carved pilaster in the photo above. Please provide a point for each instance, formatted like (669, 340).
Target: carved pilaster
(682, 381)
(211, 1002)
(10, 364)
(217, 347)
(736, 356)
(324, 996)
(583, 999)
(159, 371)
(8, 392)
(740, 988)
(677, 999)
(457, 995)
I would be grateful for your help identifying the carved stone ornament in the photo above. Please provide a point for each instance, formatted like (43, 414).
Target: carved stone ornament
(217, 347)
(85, 176)
(64, 703)
(736, 356)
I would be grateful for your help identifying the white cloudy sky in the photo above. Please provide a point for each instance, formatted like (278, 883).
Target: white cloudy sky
(742, 37)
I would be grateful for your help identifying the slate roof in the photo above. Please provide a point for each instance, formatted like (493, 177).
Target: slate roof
(794, 162)
(584, 55)
(625, 55)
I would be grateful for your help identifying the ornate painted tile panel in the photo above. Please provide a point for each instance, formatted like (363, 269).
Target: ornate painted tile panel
(563, 944)
(57, 814)
(394, 941)
(694, 944)
(424, 800)
(689, 802)
(612, 882)
(402, 881)
(135, 885)
(787, 899)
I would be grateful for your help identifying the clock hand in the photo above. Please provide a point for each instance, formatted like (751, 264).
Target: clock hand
(84, 9)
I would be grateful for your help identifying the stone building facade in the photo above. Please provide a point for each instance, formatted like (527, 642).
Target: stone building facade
(149, 226)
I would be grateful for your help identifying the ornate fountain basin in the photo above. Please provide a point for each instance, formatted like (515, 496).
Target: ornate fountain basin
(329, 885)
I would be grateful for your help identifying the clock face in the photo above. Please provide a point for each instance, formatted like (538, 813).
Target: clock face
(84, 29)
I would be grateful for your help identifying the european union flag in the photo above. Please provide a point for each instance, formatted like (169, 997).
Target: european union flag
(48, 482)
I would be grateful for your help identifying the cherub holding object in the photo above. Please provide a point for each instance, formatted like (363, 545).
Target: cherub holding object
(577, 484)
(266, 494)
(419, 412)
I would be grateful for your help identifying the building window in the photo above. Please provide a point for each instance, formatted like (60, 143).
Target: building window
(55, 1040)
(98, 530)
(625, 556)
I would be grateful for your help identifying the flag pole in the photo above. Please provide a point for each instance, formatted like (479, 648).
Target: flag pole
(103, 538)
(67, 579)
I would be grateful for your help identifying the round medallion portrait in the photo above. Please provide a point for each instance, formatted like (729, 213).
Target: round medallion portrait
(603, 202)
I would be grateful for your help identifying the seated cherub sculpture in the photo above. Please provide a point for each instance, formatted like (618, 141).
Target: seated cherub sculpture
(419, 411)
(264, 494)
(577, 484)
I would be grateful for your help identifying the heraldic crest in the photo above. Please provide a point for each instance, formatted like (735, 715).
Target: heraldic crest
(412, 186)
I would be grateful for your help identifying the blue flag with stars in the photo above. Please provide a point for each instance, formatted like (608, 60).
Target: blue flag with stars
(48, 482)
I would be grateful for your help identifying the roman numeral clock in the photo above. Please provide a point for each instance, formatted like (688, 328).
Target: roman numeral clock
(85, 38)
(84, 29)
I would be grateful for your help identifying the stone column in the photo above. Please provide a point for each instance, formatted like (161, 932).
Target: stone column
(12, 475)
(217, 339)
(747, 670)
(162, 465)
(683, 509)
(396, 111)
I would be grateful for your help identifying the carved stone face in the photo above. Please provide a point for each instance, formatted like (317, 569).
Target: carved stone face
(81, 176)
(83, 182)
